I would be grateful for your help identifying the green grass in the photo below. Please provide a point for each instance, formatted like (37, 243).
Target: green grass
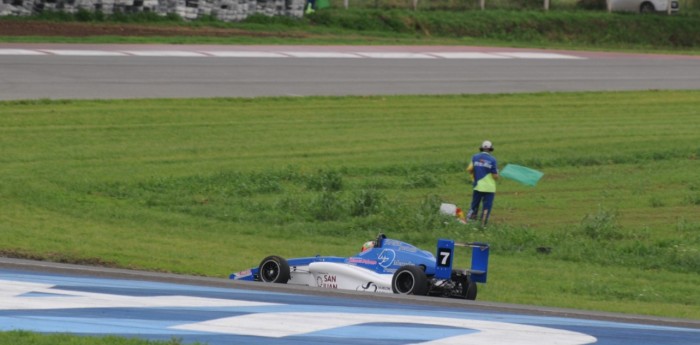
(211, 186)
(29, 338)
(567, 29)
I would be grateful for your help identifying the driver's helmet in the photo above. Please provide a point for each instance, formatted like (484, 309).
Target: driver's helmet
(367, 246)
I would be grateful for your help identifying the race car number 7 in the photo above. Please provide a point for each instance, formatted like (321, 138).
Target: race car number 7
(444, 255)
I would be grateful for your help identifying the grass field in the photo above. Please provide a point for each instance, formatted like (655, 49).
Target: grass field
(577, 30)
(30, 338)
(211, 186)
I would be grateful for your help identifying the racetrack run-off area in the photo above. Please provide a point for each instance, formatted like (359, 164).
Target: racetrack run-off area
(149, 309)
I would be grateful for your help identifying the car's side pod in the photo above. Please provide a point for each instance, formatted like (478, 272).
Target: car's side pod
(479, 264)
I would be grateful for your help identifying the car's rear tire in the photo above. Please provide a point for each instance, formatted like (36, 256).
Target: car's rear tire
(471, 291)
(409, 280)
(274, 269)
(464, 289)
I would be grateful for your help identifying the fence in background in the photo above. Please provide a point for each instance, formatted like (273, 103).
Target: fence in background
(225, 10)
(236, 10)
(465, 5)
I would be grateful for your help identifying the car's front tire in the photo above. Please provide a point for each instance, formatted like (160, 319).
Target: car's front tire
(274, 269)
(409, 280)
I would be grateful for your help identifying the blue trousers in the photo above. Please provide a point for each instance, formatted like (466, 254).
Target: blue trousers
(484, 199)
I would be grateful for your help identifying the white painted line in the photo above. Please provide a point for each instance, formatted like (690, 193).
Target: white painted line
(281, 324)
(396, 55)
(62, 52)
(164, 53)
(249, 54)
(529, 55)
(294, 54)
(20, 52)
(322, 55)
(474, 55)
(13, 296)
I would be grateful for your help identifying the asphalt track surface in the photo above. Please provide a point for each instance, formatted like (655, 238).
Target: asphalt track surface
(50, 297)
(70, 71)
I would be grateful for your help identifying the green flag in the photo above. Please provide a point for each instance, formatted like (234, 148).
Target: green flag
(521, 174)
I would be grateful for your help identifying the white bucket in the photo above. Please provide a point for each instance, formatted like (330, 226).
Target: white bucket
(449, 209)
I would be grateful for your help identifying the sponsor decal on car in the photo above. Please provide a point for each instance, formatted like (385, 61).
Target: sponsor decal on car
(408, 249)
(329, 281)
(245, 273)
(354, 260)
(402, 263)
(386, 257)
(369, 286)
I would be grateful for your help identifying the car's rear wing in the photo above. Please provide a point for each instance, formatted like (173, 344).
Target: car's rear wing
(479, 263)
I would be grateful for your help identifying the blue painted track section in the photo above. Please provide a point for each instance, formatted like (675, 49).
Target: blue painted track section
(51, 303)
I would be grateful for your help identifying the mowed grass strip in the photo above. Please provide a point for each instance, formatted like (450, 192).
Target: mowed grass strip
(29, 338)
(211, 186)
(520, 27)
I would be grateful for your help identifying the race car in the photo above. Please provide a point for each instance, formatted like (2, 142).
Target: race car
(384, 265)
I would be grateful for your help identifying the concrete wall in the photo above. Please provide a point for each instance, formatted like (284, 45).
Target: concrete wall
(225, 10)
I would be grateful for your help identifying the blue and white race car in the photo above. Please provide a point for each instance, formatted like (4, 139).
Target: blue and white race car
(384, 265)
